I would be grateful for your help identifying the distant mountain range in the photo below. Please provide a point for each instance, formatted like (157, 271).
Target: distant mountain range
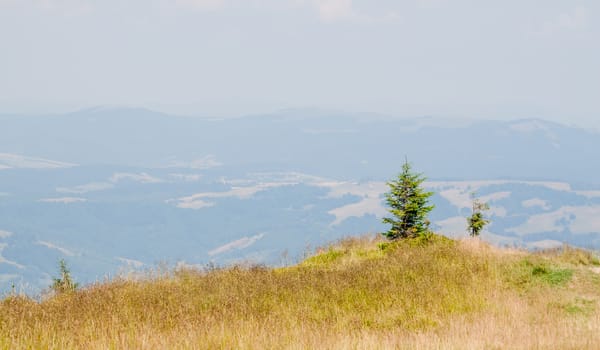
(116, 190)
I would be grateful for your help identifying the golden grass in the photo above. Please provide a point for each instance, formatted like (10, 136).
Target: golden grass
(357, 294)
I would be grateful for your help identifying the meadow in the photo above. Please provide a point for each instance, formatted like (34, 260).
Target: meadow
(358, 293)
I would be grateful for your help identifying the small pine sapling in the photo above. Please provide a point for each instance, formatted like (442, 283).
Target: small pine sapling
(64, 283)
(476, 222)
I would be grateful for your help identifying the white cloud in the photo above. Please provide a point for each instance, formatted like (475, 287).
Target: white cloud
(62, 250)
(197, 201)
(496, 196)
(370, 203)
(457, 197)
(497, 211)
(195, 204)
(114, 179)
(207, 162)
(578, 220)
(339, 189)
(9, 161)
(7, 277)
(474, 186)
(244, 189)
(289, 177)
(136, 264)
(5, 234)
(186, 177)
(589, 194)
(460, 196)
(142, 177)
(453, 227)
(329, 131)
(64, 200)
(3, 260)
(182, 265)
(557, 186)
(458, 192)
(536, 202)
(239, 244)
(90, 187)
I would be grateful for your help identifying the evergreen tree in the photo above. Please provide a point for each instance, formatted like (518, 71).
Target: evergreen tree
(477, 221)
(408, 203)
(65, 282)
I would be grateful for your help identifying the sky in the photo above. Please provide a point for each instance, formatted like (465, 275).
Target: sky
(448, 58)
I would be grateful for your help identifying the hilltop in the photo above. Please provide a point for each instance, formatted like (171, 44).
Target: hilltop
(356, 293)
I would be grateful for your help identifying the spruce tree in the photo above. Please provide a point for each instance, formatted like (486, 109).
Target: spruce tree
(65, 282)
(408, 203)
(477, 221)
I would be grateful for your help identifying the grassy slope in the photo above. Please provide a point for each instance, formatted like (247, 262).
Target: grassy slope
(358, 293)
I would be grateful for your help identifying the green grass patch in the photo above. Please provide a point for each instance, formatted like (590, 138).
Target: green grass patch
(530, 272)
(552, 276)
(577, 307)
(385, 246)
(326, 258)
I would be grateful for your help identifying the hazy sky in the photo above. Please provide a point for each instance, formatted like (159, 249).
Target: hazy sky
(499, 59)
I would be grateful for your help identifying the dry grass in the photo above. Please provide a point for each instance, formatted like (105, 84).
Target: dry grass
(357, 294)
